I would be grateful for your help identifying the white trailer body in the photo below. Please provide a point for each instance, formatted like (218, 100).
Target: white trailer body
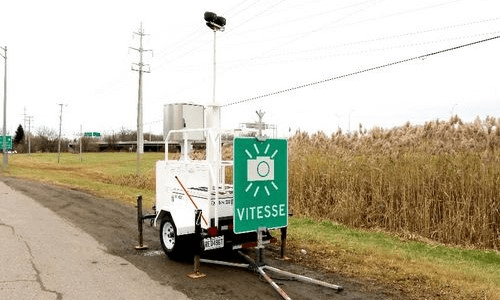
(172, 198)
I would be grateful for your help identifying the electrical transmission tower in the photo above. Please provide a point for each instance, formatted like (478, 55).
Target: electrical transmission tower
(140, 67)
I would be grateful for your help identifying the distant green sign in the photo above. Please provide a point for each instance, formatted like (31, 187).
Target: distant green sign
(8, 141)
(260, 184)
(93, 134)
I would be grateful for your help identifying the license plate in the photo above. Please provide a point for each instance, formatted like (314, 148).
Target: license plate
(213, 242)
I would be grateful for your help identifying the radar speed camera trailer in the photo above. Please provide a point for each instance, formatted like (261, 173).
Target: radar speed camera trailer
(199, 210)
(184, 185)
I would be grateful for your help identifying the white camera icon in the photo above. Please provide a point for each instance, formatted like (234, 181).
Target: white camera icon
(260, 169)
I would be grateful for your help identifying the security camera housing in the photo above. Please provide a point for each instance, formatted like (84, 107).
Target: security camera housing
(214, 22)
(210, 16)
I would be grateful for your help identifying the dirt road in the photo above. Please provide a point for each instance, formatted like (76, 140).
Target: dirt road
(114, 226)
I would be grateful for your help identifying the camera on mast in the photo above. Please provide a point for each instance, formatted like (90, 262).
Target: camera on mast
(215, 22)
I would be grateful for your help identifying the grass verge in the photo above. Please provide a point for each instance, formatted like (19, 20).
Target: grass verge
(108, 175)
(424, 270)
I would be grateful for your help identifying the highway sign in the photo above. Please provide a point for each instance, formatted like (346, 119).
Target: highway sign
(8, 141)
(260, 178)
(94, 134)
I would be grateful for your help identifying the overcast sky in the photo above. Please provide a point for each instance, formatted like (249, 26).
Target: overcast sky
(77, 53)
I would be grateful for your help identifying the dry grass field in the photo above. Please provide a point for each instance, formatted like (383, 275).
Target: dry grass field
(439, 181)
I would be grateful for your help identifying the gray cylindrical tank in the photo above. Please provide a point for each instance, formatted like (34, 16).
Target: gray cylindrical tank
(183, 116)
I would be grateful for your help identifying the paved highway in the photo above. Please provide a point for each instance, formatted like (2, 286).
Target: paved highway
(42, 256)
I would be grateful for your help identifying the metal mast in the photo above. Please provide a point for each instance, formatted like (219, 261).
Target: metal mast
(140, 68)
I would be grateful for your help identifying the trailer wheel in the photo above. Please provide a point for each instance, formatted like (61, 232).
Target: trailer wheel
(175, 247)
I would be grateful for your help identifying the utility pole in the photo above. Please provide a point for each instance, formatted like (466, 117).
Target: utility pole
(24, 127)
(5, 157)
(139, 67)
(81, 136)
(29, 134)
(60, 126)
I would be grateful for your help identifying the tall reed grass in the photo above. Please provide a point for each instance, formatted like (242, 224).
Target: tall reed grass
(440, 180)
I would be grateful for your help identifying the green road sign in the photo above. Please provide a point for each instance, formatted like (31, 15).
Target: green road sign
(94, 134)
(8, 141)
(260, 184)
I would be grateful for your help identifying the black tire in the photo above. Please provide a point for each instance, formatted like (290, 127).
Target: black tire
(174, 246)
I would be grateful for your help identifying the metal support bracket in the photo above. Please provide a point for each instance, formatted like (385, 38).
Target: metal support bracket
(197, 233)
(260, 126)
(259, 266)
(252, 265)
(140, 221)
(259, 250)
(139, 224)
(283, 244)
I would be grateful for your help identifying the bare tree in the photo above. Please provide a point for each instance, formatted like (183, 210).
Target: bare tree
(45, 140)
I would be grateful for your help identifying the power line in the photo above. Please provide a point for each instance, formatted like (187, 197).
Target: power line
(304, 18)
(396, 14)
(371, 50)
(390, 15)
(227, 65)
(326, 27)
(360, 71)
(244, 9)
(252, 18)
(365, 5)
(230, 11)
(353, 43)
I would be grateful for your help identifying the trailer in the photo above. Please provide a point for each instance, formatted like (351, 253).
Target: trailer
(186, 185)
(211, 203)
